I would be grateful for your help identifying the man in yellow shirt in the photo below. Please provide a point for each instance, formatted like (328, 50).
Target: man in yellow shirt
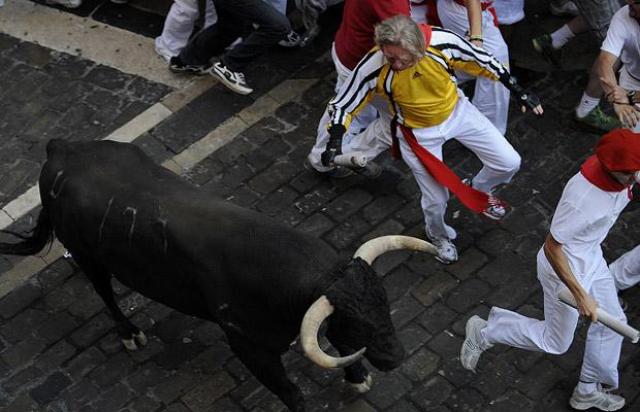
(413, 67)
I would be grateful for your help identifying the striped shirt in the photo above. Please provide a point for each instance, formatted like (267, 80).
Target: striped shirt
(423, 95)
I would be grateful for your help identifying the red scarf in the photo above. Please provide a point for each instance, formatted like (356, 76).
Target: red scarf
(593, 171)
(473, 199)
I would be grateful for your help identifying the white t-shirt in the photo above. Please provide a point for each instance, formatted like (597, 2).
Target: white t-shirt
(582, 220)
(623, 41)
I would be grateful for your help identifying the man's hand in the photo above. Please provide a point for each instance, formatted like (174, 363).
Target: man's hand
(613, 92)
(587, 306)
(526, 99)
(334, 145)
(530, 101)
(627, 114)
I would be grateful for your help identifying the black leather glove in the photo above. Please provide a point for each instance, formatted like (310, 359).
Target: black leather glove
(334, 145)
(525, 99)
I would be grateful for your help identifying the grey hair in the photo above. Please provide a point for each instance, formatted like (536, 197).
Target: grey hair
(401, 31)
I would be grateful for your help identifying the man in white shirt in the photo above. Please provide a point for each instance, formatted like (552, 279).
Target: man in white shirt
(622, 44)
(571, 257)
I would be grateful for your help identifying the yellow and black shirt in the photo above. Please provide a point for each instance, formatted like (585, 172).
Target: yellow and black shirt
(420, 96)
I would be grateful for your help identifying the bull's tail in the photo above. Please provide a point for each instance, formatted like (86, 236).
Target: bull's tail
(33, 242)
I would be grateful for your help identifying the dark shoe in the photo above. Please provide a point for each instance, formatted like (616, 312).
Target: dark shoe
(371, 171)
(598, 120)
(542, 45)
(338, 172)
(177, 66)
(292, 40)
(232, 80)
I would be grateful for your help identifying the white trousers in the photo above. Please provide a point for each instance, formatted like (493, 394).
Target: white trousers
(555, 333)
(360, 138)
(178, 26)
(626, 269)
(472, 129)
(490, 97)
(509, 11)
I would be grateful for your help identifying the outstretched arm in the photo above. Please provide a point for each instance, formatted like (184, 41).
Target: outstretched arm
(462, 55)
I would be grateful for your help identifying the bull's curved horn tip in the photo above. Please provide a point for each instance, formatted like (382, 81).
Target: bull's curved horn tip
(373, 248)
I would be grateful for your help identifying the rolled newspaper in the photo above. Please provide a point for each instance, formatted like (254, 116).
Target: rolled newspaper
(604, 317)
(350, 160)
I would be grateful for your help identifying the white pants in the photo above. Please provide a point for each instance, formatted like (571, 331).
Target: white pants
(626, 269)
(178, 26)
(555, 333)
(509, 11)
(490, 97)
(469, 127)
(360, 138)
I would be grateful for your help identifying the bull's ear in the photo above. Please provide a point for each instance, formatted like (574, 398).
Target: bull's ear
(316, 314)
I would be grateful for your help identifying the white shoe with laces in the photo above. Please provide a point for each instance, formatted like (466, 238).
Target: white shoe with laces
(70, 4)
(495, 210)
(473, 344)
(447, 252)
(232, 80)
(599, 399)
(563, 8)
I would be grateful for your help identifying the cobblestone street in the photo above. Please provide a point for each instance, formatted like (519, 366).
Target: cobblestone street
(59, 351)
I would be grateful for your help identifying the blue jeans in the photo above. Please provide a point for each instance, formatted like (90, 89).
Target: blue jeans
(235, 19)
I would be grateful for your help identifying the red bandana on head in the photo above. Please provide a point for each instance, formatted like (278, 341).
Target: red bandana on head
(617, 151)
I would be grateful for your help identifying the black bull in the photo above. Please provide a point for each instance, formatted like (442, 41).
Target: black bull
(120, 214)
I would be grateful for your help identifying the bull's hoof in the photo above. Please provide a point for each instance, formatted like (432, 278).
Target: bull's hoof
(363, 387)
(137, 339)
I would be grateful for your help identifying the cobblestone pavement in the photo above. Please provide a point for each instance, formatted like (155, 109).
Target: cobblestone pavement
(58, 347)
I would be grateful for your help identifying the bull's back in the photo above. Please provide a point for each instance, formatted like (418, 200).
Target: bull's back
(110, 206)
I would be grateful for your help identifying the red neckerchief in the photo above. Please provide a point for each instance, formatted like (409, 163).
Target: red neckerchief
(473, 199)
(593, 171)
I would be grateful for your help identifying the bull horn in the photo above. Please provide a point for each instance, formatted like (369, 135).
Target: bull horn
(316, 314)
(376, 247)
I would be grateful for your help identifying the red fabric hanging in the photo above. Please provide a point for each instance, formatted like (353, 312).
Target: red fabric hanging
(473, 199)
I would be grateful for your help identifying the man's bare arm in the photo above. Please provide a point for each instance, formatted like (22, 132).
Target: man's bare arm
(587, 306)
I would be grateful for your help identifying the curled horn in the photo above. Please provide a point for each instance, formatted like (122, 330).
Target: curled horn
(316, 314)
(370, 250)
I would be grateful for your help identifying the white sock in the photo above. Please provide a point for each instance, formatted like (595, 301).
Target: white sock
(561, 37)
(587, 104)
(585, 388)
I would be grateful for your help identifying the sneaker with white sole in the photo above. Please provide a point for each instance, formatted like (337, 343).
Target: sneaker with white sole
(69, 4)
(563, 8)
(599, 399)
(292, 40)
(473, 344)
(447, 252)
(232, 80)
(177, 66)
(372, 170)
(495, 210)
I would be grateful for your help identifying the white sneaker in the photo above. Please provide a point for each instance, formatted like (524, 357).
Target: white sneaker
(70, 4)
(233, 80)
(473, 344)
(563, 8)
(599, 399)
(447, 252)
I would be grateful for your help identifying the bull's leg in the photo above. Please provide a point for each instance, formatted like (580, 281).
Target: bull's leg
(267, 367)
(356, 373)
(100, 277)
